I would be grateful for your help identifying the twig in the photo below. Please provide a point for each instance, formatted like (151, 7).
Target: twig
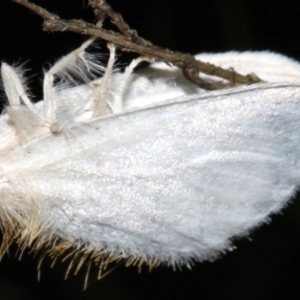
(103, 9)
(128, 40)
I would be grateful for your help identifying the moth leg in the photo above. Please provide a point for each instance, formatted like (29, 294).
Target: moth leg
(14, 88)
(117, 106)
(100, 91)
(60, 67)
(26, 119)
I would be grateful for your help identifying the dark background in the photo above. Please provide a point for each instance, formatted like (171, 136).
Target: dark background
(267, 266)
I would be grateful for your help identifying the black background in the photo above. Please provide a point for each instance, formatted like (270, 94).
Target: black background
(267, 266)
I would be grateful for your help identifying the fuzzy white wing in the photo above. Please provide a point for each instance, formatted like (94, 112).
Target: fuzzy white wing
(269, 66)
(166, 183)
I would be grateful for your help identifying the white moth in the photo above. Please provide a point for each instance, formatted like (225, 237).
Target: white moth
(146, 167)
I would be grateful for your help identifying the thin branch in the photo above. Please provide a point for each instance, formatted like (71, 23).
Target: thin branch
(102, 8)
(129, 41)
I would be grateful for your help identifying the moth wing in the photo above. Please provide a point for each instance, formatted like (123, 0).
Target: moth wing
(268, 66)
(159, 81)
(171, 182)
